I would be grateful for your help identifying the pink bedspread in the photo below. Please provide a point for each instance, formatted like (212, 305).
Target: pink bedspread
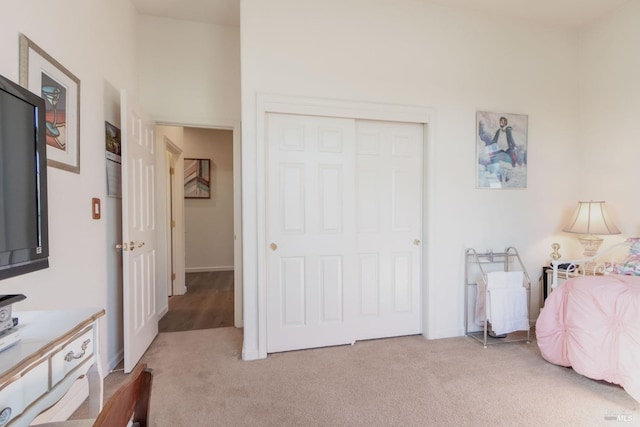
(592, 324)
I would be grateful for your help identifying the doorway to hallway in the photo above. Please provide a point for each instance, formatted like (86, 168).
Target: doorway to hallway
(202, 229)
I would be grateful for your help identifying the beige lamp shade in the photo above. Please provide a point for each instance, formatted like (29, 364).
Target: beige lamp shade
(591, 218)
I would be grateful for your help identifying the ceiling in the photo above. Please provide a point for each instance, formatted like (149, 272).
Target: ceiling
(568, 14)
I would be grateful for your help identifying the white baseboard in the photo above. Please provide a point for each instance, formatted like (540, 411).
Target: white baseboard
(208, 269)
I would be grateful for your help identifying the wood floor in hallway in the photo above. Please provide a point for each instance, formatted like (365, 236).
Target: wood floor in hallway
(207, 304)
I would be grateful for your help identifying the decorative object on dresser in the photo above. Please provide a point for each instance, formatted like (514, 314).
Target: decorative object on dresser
(9, 334)
(555, 254)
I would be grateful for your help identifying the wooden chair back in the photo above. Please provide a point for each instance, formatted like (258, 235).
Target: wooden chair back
(130, 402)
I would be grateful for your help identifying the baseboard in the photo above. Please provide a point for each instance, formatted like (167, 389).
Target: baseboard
(444, 333)
(162, 312)
(114, 362)
(208, 269)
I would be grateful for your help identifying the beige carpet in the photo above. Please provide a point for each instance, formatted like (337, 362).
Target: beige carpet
(199, 380)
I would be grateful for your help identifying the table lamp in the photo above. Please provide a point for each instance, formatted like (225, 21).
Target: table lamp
(591, 219)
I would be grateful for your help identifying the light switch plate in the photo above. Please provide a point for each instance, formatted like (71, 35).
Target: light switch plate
(95, 208)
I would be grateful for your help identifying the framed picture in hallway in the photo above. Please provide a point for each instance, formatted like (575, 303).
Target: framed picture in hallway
(197, 178)
(501, 149)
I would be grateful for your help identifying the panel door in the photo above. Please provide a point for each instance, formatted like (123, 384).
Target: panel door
(389, 179)
(138, 234)
(310, 231)
(344, 223)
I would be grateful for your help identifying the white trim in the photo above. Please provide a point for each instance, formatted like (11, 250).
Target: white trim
(170, 206)
(274, 103)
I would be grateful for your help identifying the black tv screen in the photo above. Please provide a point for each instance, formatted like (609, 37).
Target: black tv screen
(24, 245)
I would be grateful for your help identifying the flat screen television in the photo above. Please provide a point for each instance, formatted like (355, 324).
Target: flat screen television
(24, 241)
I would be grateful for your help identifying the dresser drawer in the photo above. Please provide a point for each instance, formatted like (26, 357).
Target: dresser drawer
(71, 355)
(28, 386)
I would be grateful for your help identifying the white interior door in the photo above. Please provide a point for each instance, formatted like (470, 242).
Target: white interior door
(138, 234)
(344, 215)
(309, 218)
(389, 228)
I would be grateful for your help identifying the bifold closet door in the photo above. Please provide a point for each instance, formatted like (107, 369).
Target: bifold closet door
(344, 214)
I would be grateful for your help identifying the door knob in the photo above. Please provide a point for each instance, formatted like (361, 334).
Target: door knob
(133, 245)
(416, 242)
(124, 246)
(273, 246)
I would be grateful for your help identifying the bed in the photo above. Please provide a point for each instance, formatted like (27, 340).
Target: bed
(591, 322)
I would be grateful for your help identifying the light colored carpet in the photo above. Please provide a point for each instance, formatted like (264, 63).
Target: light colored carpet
(199, 380)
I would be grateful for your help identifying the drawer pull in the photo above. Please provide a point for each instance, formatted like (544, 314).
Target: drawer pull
(70, 356)
(5, 415)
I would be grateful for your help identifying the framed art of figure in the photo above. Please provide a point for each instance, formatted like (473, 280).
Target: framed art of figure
(197, 184)
(501, 150)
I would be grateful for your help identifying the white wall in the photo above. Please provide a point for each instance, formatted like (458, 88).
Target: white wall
(93, 41)
(414, 53)
(189, 72)
(209, 222)
(609, 115)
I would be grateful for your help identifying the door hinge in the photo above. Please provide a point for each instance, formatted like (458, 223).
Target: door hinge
(173, 224)
(172, 171)
(173, 276)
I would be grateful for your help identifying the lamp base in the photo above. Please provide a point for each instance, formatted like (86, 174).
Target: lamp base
(590, 245)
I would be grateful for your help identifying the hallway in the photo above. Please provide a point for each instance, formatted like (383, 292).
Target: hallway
(207, 304)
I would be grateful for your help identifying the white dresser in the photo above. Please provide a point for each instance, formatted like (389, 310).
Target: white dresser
(56, 348)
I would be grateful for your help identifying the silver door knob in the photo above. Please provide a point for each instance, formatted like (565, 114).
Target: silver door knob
(416, 242)
(124, 246)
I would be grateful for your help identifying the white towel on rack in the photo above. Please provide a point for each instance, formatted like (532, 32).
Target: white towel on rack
(505, 279)
(481, 309)
(506, 304)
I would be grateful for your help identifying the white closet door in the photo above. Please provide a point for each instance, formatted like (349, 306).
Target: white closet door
(310, 231)
(344, 219)
(389, 228)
